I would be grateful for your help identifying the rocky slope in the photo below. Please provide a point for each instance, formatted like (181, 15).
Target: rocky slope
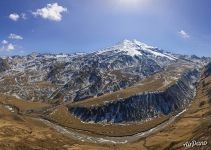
(22, 132)
(74, 77)
(143, 106)
(4, 65)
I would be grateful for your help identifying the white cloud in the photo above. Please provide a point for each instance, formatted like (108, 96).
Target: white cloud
(14, 16)
(7, 47)
(4, 42)
(10, 47)
(15, 36)
(51, 12)
(184, 34)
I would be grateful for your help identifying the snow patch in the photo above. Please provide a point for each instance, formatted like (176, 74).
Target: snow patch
(16, 96)
(9, 108)
(147, 48)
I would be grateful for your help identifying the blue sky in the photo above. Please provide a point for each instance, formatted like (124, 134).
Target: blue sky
(181, 26)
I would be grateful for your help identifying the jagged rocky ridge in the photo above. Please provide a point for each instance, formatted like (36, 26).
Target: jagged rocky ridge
(74, 77)
(143, 106)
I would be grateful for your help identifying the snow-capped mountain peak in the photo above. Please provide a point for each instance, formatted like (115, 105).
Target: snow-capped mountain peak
(136, 48)
(143, 45)
(128, 47)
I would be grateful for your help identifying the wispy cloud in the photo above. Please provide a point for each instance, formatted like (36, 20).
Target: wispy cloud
(10, 47)
(6, 46)
(51, 12)
(184, 34)
(23, 16)
(4, 42)
(15, 36)
(14, 16)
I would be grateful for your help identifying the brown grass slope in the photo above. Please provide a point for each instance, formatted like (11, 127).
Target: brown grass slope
(156, 82)
(18, 131)
(194, 124)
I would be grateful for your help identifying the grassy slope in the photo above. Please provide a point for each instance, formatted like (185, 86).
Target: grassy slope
(195, 124)
(159, 81)
(21, 132)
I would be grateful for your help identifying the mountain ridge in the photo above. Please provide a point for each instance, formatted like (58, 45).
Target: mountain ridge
(75, 77)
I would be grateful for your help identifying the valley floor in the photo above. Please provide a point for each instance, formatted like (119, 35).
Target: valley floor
(19, 131)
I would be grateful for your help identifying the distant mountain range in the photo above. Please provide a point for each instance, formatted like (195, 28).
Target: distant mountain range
(75, 77)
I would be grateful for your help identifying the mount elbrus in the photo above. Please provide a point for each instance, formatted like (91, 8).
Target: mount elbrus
(129, 81)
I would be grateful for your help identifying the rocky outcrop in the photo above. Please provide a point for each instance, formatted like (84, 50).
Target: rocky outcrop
(207, 71)
(143, 105)
(3, 65)
(75, 77)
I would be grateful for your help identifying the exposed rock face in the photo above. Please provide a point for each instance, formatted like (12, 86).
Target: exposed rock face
(3, 65)
(207, 70)
(74, 77)
(144, 105)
